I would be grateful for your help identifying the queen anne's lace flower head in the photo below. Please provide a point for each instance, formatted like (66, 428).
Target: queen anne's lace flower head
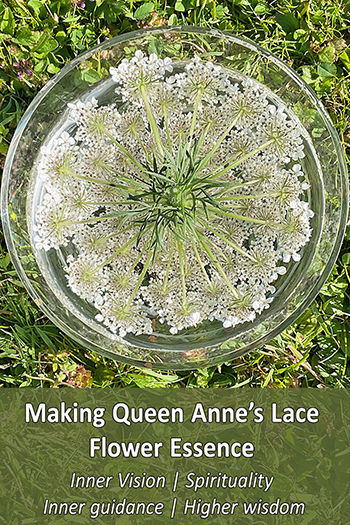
(180, 204)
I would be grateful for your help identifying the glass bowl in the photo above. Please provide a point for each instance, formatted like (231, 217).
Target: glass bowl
(42, 272)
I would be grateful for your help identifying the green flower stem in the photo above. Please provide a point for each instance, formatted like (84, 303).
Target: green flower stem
(65, 222)
(213, 174)
(120, 250)
(218, 211)
(118, 233)
(127, 202)
(222, 237)
(224, 135)
(106, 217)
(138, 259)
(216, 247)
(243, 158)
(166, 123)
(141, 278)
(237, 187)
(113, 171)
(120, 203)
(247, 197)
(186, 269)
(124, 189)
(151, 119)
(182, 271)
(127, 180)
(148, 158)
(194, 116)
(96, 181)
(210, 155)
(215, 262)
(203, 136)
(124, 150)
(200, 261)
(108, 237)
(165, 283)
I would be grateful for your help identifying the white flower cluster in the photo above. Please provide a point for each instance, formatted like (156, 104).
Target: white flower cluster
(140, 71)
(183, 203)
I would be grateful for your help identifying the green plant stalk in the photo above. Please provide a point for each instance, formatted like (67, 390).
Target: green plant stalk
(238, 186)
(237, 248)
(100, 203)
(217, 248)
(151, 119)
(222, 166)
(210, 155)
(200, 261)
(100, 181)
(85, 221)
(148, 158)
(141, 278)
(138, 259)
(117, 252)
(108, 216)
(215, 262)
(218, 211)
(108, 237)
(165, 283)
(224, 135)
(128, 180)
(203, 136)
(122, 149)
(194, 116)
(244, 157)
(182, 272)
(120, 250)
(166, 123)
(247, 197)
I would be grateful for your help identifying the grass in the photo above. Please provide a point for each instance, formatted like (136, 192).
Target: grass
(37, 37)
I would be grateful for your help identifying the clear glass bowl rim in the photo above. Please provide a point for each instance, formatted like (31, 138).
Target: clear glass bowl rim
(342, 166)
